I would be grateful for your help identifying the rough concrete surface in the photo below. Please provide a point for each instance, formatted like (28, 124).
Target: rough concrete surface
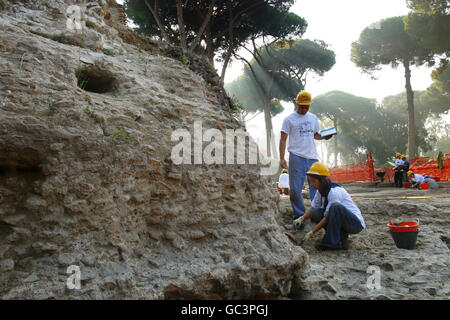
(86, 177)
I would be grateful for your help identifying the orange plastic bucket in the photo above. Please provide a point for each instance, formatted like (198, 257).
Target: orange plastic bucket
(424, 186)
(407, 226)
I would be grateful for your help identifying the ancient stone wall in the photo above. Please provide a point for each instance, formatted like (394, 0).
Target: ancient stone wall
(86, 176)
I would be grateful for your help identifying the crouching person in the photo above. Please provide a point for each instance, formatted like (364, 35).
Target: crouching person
(333, 209)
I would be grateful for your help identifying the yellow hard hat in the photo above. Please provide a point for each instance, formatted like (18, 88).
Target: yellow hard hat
(410, 172)
(284, 170)
(397, 154)
(304, 98)
(319, 169)
(403, 156)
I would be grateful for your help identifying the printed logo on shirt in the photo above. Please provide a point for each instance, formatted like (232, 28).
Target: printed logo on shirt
(305, 128)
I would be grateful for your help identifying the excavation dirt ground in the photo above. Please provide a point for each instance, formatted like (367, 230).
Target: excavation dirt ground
(421, 273)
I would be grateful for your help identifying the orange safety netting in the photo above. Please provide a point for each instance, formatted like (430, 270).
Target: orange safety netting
(362, 171)
(365, 171)
(429, 166)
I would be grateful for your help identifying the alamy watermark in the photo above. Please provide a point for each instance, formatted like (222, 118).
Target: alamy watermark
(74, 21)
(374, 280)
(220, 149)
(74, 280)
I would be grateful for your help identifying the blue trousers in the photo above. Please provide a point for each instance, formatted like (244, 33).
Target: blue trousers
(298, 167)
(340, 221)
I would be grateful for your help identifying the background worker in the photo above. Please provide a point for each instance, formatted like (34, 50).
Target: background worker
(433, 184)
(404, 168)
(302, 128)
(283, 182)
(333, 209)
(397, 171)
(416, 179)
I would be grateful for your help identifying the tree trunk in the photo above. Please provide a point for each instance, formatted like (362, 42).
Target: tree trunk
(230, 45)
(335, 145)
(411, 122)
(181, 26)
(209, 46)
(158, 22)
(268, 121)
(202, 28)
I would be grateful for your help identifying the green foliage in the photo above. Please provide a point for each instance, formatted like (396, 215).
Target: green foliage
(109, 52)
(437, 96)
(185, 60)
(122, 135)
(61, 39)
(395, 108)
(430, 31)
(93, 115)
(387, 42)
(251, 20)
(363, 126)
(429, 6)
(235, 105)
(280, 73)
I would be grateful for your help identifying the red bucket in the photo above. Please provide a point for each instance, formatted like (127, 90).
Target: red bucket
(424, 186)
(407, 226)
(406, 184)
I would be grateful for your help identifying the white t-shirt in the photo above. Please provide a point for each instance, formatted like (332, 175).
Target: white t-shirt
(398, 162)
(418, 178)
(283, 181)
(341, 196)
(301, 129)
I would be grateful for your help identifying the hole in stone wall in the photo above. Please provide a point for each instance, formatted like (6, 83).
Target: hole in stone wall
(94, 79)
(22, 163)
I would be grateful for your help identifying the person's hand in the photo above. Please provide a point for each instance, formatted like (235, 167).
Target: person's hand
(328, 137)
(298, 222)
(283, 164)
(306, 237)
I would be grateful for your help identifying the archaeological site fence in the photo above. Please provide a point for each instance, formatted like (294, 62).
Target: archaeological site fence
(365, 171)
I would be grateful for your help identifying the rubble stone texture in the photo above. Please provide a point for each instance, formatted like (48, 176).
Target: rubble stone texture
(421, 273)
(86, 177)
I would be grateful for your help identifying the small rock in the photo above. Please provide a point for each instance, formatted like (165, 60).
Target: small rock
(431, 291)
(6, 265)
(89, 260)
(56, 147)
(31, 278)
(108, 283)
(66, 259)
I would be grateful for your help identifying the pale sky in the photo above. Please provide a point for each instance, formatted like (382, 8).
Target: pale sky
(339, 23)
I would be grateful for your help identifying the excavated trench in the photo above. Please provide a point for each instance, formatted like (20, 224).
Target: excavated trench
(421, 273)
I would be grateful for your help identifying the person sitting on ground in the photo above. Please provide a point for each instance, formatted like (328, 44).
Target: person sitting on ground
(333, 209)
(416, 179)
(433, 184)
(283, 182)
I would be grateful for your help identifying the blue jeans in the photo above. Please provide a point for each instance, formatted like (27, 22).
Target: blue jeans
(298, 167)
(340, 220)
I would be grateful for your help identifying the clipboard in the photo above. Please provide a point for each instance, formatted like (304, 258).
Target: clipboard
(328, 132)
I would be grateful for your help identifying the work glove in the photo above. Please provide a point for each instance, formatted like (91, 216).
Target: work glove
(298, 222)
(306, 237)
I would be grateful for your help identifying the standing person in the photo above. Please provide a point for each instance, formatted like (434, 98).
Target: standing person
(405, 168)
(332, 209)
(283, 182)
(302, 128)
(397, 171)
(416, 179)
